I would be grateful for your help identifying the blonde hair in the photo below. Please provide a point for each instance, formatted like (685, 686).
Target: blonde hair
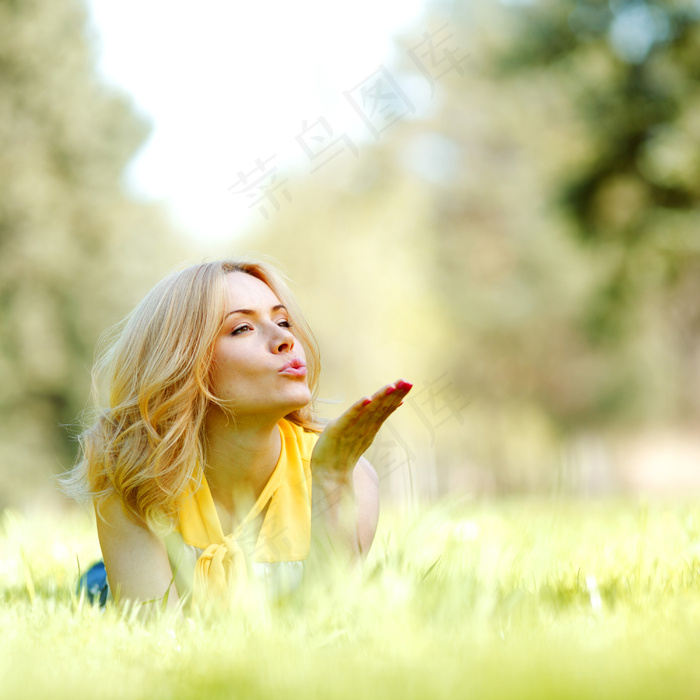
(147, 447)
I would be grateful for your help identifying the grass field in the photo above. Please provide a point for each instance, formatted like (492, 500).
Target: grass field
(504, 599)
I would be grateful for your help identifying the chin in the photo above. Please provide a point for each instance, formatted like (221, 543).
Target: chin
(304, 399)
(301, 404)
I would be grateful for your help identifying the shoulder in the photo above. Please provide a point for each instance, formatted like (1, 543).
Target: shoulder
(117, 530)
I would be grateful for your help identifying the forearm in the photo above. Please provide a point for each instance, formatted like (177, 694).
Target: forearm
(334, 516)
(346, 509)
(146, 607)
(345, 486)
(136, 561)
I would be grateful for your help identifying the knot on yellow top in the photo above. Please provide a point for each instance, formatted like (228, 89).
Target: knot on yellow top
(285, 534)
(219, 571)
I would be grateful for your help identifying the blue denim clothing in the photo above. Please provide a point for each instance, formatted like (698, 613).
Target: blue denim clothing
(94, 581)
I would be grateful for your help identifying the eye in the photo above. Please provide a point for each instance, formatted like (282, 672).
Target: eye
(239, 329)
(285, 324)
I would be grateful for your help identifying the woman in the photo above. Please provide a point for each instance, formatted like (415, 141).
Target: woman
(204, 467)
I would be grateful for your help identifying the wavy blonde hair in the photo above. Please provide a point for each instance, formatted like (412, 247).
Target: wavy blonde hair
(147, 446)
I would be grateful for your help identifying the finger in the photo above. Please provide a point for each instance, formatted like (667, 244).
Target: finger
(384, 403)
(388, 409)
(357, 428)
(391, 396)
(365, 408)
(350, 417)
(368, 413)
(403, 386)
(373, 410)
(359, 436)
(388, 397)
(396, 390)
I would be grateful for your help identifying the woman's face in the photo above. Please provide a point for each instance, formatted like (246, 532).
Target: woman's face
(254, 346)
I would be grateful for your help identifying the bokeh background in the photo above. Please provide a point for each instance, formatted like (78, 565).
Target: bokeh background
(497, 201)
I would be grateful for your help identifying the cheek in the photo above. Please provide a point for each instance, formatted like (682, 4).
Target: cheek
(221, 369)
(231, 370)
(216, 375)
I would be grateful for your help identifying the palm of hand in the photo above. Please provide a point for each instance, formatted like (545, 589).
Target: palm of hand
(346, 438)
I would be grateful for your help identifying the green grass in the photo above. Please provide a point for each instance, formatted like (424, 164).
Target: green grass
(507, 599)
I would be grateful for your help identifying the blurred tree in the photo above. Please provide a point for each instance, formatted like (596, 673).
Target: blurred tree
(566, 218)
(536, 214)
(75, 249)
(631, 70)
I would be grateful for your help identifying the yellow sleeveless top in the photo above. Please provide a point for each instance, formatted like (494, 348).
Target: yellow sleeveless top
(285, 535)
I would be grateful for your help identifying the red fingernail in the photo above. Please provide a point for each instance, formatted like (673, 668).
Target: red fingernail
(366, 402)
(390, 390)
(403, 385)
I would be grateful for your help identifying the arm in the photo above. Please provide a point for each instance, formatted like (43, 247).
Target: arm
(135, 559)
(366, 486)
(345, 486)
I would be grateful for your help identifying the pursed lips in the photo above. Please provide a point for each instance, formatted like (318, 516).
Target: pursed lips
(295, 368)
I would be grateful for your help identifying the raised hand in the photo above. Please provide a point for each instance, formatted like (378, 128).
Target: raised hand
(346, 438)
(346, 499)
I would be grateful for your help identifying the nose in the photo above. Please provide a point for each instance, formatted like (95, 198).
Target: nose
(283, 340)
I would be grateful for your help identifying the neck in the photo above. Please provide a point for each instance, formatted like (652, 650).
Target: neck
(241, 455)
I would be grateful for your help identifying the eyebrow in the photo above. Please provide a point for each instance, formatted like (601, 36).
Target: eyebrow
(250, 312)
